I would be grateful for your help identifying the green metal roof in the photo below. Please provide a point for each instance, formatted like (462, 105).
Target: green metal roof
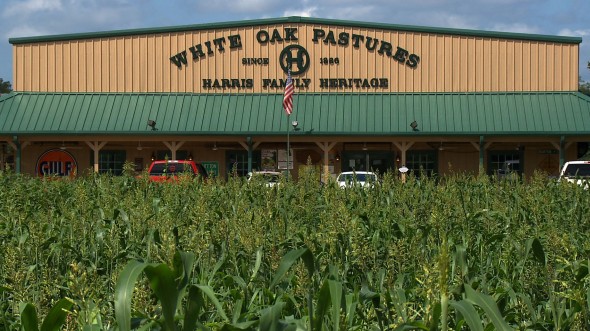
(295, 20)
(457, 114)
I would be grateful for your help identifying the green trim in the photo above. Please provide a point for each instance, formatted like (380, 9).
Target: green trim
(296, 20)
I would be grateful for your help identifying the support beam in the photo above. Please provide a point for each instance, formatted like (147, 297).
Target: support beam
(326, 147)
(17, 153)
(562, 147)
(173, 146)
(482, 149)
(403, 147)
(249, 145)
(96, 146)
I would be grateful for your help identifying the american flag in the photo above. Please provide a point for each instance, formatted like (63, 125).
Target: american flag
(288, 98)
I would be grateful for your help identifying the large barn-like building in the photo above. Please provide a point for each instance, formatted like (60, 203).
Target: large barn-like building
(367, 96)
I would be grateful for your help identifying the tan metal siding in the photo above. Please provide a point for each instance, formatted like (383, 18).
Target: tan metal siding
(448, 63)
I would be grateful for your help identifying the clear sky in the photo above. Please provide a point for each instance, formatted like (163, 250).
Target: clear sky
(26, 18)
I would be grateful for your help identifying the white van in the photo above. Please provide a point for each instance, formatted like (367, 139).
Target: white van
(576, 172)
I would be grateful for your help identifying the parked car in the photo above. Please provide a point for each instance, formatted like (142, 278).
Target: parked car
(577, 172)
(165, 170)
(360, 178)
(270, 178)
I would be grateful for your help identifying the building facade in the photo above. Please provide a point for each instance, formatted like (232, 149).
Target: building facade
(367, 96)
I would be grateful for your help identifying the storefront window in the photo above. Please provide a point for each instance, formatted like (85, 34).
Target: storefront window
(503, 163)
(237, 161)
(111, 162)
(421, 163)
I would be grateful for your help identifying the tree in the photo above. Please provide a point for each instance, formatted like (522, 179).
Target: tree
(5, 87)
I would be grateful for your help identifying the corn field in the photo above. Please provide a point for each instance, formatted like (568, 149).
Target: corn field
(457, 253)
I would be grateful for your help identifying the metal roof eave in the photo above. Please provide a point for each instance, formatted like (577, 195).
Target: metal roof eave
(296, 20)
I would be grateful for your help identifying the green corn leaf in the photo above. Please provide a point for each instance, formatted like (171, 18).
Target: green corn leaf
(28, 317)
(288, 260)
(323, 303)
(183, 263)
(56, 317)
(239, 326)
(489, 306)
(163, 283)
(469, 313)
(416, 325)
(124, 291)
(257, 264)
(93, 327)
(336, 298)
(193, 307)
(435, 317)
(237, 311)
(208, 291)
(351, 303)
(217, 266)
(270, 317)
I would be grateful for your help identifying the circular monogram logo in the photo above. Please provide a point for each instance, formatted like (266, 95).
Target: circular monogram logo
(294, 58)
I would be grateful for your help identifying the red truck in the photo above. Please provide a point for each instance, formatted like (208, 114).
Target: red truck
(166, 170)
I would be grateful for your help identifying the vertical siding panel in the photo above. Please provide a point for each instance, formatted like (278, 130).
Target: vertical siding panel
(59, 66)
(454, 68)
(543, 63)
(534, 78)
(17, 74)
(518, 66)
(113, 79)
(575, 70)
(105, 69)
(181, 78)
(34, 68)
(551, 67)
(505, 67)
(479, 64)
(494, 65)
(433, 63)
(81, 66)
(160, 62)
(136, 77)
(75, 74)
(440, 63)
(142, 57)
(51, 67)
(471, 65)
(192, 80)
(170, 70)
(526, 64)
(67, 66)
(557, 71)
(150, 63)
(128, 64)
(94, 66)
(417, 72)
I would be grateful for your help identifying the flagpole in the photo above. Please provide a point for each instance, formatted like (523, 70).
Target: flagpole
(288, 160)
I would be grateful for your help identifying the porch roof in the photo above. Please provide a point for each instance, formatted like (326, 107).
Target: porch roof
(320, 114)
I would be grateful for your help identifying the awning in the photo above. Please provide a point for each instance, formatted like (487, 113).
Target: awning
(456, 114)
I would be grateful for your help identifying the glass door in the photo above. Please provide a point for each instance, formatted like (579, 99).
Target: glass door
(380, 162)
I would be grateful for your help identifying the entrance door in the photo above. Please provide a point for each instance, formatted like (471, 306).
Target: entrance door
(379, 162)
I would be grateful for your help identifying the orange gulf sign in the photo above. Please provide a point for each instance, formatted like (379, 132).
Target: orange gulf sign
(56, 162)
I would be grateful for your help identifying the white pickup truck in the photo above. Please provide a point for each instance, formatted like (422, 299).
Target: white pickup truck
(576, 172)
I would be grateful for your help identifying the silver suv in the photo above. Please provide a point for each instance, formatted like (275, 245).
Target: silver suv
(576, 172)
